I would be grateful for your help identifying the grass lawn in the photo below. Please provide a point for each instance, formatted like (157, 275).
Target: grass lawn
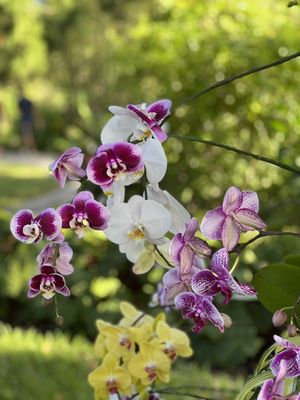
(53, 367)
(23, 181)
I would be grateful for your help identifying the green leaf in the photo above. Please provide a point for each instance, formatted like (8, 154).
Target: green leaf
(293, 259)
(278, 285)
(252, 383)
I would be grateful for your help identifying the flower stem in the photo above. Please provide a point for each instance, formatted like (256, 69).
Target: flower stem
(162, 256)
(235, 265)
(262, 234)
(241, 75)
(239, 151)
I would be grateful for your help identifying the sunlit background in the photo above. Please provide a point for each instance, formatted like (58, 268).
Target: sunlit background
(70, 60)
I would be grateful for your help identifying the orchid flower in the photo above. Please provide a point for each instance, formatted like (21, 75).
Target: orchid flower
(48, 282)
(117, 162)
(291, 355)
(179, 214)
(139, 121)
(29, 229)
(136, 223)
(200, 309)
(218, 279)
(68, 165)
(62, 262)
(175, 283)
(84, 212)
(237, 214)
(273, 389)
(186, 249)
(110, 378)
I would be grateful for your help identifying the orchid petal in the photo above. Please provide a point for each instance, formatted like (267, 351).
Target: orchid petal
(250, 201)
(232, 200)
(200, 248)
(175, 247)
(220, 260)
(98, 215)
(186, 259)
(191, 228)
(213, 314)
(119, 128)
(50, 223)
(81, 198)
(205, 283)
(161, 108)
(230, 233)
(289, 355)
(155, 219)
(249, 219)
(155, 160)
(285, 343)
(119, 224)
(212, 223)
(66, 212)
(17, 223)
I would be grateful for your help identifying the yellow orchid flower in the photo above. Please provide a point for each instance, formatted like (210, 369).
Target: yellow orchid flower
(100, 347)
(119, 340)
(174, 342)
(146, 332)
(132, 315)
(149, 364)
(110, 378)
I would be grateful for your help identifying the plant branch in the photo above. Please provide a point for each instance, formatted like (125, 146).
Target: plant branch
(239, 151)
(241, 75)
(241, 246)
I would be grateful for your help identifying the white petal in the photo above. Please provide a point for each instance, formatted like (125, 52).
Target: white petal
(155, 218)
(119, 224)
(135, 206)
(155, 160)
(122, 111)
(133, 249)
(118, 129)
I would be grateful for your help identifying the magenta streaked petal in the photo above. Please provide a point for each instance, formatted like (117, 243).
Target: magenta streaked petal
(173, 291)
(68, 165)
(220, 260)
(266, 390)
(186, 259)
(47, 269)
(130, 155)
(159, 133)
(200, 248)
(32, 293)
(65, 291)
(230, 233)
(59, 281)
(232, 200)
(176, 245)
(50, 223)
(285, 343)
(60, 174)
(247, 289)
(190, 229)
(97, 170)
(98, 214)
(250, 201)
(249, 219)
(185, 301)
(289, 355)
(213, 314)
(17, 223)
(205, 283)
(66, 212)
(212, 223)
(35, 282)
(64, 267)
(161, 108)
(171, 277)
(74, 171)
(81, 198)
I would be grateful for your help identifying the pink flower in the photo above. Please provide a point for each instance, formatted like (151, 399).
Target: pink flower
(68, 165)
(48, 282)
(29, 229)
(186, 249)
(237, 214)
(84, 212)
(117, 162)
(291, 355)
(62, 262)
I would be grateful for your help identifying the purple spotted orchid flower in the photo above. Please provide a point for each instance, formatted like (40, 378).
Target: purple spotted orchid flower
(186, 249)
(62, 262)
(218, 279)
(273, 389)
(84, 212)
(140, 121)
(48, 282)
(291, 355)
(117, 162)
(68, 165)
(200, 309)
(237, 214)
(175, 282)
(29, 229)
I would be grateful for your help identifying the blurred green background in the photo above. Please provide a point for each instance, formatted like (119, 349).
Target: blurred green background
(72, 59)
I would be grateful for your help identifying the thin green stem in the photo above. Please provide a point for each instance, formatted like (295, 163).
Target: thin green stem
(162, 256)
(235, 265)
(262, 234)
(241, 75)
(239, 151)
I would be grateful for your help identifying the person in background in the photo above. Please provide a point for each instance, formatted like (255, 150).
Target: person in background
(26, 109)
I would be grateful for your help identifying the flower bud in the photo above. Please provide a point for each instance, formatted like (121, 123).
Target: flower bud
(59, 320)
(279, 318)
(292, 330)
(227, 320)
